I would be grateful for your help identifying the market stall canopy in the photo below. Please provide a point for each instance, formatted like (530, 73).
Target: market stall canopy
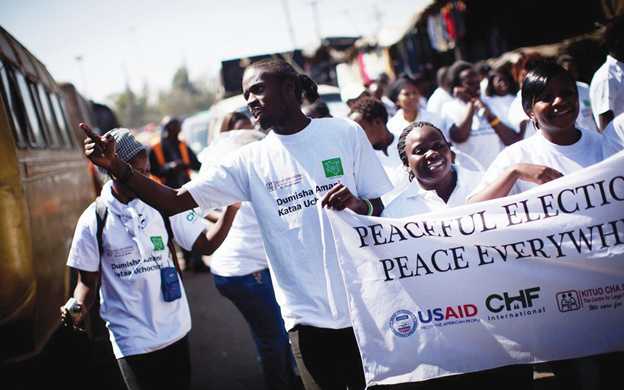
(392, 34)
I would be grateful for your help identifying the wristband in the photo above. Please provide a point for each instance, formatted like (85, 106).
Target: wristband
(369, 205)
(495, 122)
(127, 176)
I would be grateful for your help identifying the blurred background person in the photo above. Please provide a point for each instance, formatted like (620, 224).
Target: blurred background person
(378, 88)
(441, 94)
(236, 121)
(405, 94)
(585, 119)
(316, 110)
(606, 89)
(472, 126)
(500, 92)
(353, 92)
(516, 116)
(171, 162)
(372, 116)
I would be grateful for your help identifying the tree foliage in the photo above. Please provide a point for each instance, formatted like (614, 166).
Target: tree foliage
(185, 97)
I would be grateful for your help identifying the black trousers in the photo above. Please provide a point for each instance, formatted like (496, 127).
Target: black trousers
(167, 369)
(327, 359)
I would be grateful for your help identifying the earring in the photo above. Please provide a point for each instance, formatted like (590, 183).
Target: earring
(411, 176)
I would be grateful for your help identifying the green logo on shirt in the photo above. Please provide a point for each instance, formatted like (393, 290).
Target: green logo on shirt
(333, 167)
(158, 243)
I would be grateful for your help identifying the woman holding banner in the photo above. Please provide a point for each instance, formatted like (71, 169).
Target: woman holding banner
(439, 184)
(550, 99)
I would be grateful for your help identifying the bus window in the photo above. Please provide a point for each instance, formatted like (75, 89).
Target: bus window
(48, 115)
(9, 100)
(62, 122)
(36, 132)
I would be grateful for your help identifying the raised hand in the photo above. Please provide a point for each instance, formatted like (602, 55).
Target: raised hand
(100, 150)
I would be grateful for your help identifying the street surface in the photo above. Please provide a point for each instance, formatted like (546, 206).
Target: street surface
(223, 354)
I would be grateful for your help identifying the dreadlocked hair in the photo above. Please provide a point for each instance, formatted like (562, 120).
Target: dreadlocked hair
(403, 136)
(281, 70)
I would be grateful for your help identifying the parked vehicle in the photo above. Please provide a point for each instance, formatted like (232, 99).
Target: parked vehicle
(45, 184)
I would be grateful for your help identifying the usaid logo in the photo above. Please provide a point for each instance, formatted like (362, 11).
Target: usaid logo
(403, 323)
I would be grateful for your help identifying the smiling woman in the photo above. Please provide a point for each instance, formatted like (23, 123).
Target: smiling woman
(439, 183)
(550, 99)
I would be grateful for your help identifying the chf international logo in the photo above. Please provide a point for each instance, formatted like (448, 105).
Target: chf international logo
(403, 323)
(333, 167)
(191, 215)
(497, 303)
(158, 243)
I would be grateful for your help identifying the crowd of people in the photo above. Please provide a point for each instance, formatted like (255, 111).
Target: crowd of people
(398, 154)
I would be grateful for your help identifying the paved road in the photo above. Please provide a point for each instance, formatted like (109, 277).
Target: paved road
(223, 355)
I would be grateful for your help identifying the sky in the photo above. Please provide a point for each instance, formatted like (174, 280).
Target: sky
(101, 47)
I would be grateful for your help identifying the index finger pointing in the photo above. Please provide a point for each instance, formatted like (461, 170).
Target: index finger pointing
(88, 131)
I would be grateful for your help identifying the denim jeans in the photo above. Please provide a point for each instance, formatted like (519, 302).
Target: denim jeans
(254, 297)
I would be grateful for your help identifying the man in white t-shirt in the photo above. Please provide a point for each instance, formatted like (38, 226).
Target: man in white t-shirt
(301, 163)
(372, 116)
(606, 89)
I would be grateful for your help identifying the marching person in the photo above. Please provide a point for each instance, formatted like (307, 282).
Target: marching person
(125, 250)
(301, 163)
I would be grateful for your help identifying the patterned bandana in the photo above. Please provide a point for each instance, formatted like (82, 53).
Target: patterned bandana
(126, 146)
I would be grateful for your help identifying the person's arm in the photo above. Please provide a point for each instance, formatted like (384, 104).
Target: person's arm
(460, 130)
(500, 187)
(207, 243)
(84, 294)
(340, 197)
(605, 118)
(505, 133)
(101, 152)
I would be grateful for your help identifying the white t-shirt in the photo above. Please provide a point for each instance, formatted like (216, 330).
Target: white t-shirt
(394, 169)
(613, 137)
(585, 120)
(242, 252)
(416, 200)
(538, 150)
(398, 123)
(285, 177)
(437, 100)
(499, 105)
(134, 243)
(606, 89)
(483, 144)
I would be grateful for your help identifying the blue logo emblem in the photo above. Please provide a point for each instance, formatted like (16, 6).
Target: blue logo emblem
(403, 323)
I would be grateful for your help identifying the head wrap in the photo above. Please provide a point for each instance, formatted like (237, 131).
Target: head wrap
(126, 146)
(397, 85)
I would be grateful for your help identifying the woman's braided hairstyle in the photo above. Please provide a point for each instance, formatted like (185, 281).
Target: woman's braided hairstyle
(403, 136)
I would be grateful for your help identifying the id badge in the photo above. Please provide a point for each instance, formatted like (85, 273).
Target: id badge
(170, 284)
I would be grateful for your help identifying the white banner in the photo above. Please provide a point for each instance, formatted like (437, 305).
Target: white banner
(529, 278)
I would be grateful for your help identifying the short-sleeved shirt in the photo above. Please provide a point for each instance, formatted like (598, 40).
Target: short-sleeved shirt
(137, 316)
(613, 137)
(538, 150)
(606, 89)
(416, 200)
(285, 177)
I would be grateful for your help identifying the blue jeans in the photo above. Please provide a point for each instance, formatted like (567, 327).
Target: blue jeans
(254, 297)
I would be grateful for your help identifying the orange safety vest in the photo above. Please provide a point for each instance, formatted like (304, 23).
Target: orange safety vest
(160, 156)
